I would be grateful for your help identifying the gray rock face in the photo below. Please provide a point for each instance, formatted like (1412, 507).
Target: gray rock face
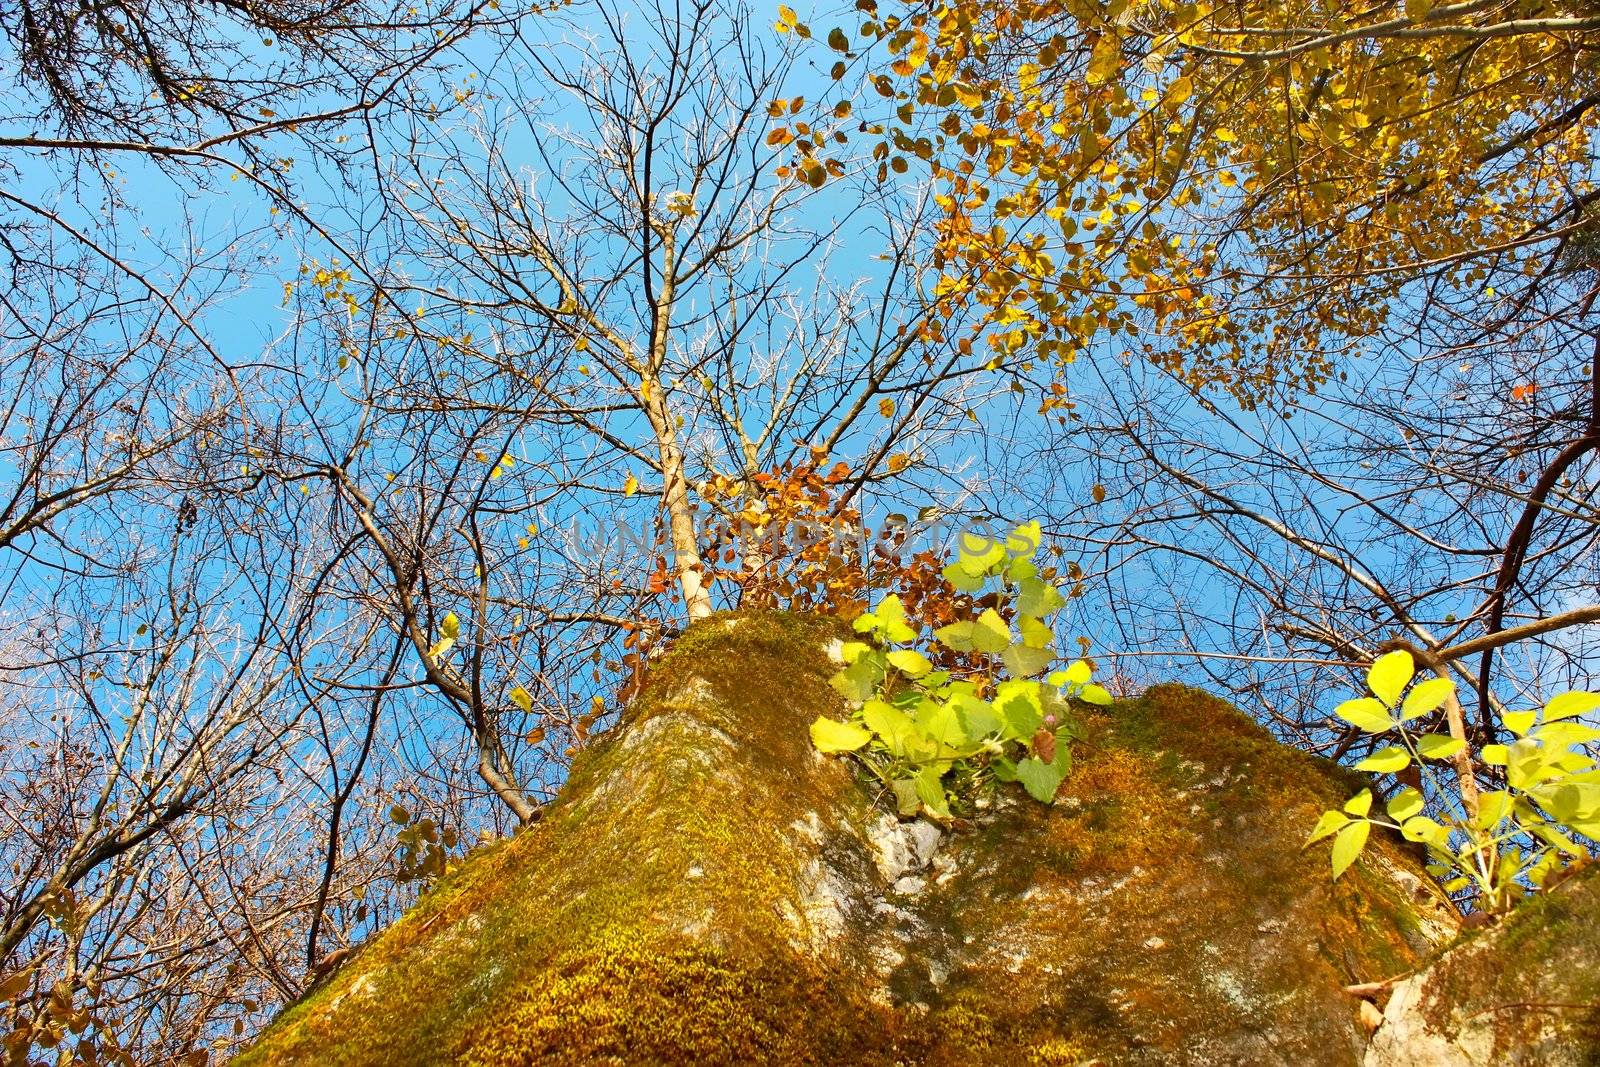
(901, 848)
(1524, 992)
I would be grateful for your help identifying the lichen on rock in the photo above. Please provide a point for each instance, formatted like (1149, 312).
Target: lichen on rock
(707, 888)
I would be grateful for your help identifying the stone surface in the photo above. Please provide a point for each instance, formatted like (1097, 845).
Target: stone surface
(1525, 992)
(708, 889)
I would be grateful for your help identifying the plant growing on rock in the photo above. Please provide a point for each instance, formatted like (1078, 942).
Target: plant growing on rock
(1491, 845)
(938, 739)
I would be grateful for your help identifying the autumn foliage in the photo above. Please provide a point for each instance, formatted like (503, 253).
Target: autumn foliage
(1245, 194)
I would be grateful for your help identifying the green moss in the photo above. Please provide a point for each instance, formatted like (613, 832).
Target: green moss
(599, 869)
(659, 911)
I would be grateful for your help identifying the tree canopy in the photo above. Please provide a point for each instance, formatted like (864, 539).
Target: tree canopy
(389, 385)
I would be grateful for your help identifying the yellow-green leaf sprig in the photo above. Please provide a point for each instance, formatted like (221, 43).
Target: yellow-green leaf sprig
(1499, 845)
(937, 742)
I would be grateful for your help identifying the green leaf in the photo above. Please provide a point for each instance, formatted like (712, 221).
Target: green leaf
(861, 679)
(1493, 809)
(1495, 755)
(1077, 674)
(1063, 760)
(1404, 805)
(1386, 761)
(1039, 778)
(1039, 598)
(1366, 714)
(1426, 696)
(1094, 694)
(1330, 822)
(990, 632)
(1360, 804)
(830, 735)
(1024, 662)
(1439, 746)
(1423, 830)
(977, 717)
(1526, 765)
(1575, 763)
(1020, 569)
(930, 787)
(1519, 722)
(1552, 836)
(1019, 708)
(939, 721)
(850, 651)
(1389, 675)
(1035, 634)
(978, 553)
(1567, 705)
(1348, 845)
(963, 582)
(892, 625)
(1590, 829)
(1574, 801)
(956, 636)
(906, 799)
(909, 662)
(893, 727)
(1025, 539)
(1566, 734)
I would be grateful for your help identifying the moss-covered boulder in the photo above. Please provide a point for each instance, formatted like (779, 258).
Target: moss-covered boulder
(710, 890)
(1526, 992)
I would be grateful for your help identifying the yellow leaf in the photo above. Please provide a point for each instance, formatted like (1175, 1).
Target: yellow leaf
(886, 407)
(631, 486)
(1104, 62)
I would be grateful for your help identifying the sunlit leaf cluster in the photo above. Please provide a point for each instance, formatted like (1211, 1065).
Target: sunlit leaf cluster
(1491, 846)
(938, 740)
